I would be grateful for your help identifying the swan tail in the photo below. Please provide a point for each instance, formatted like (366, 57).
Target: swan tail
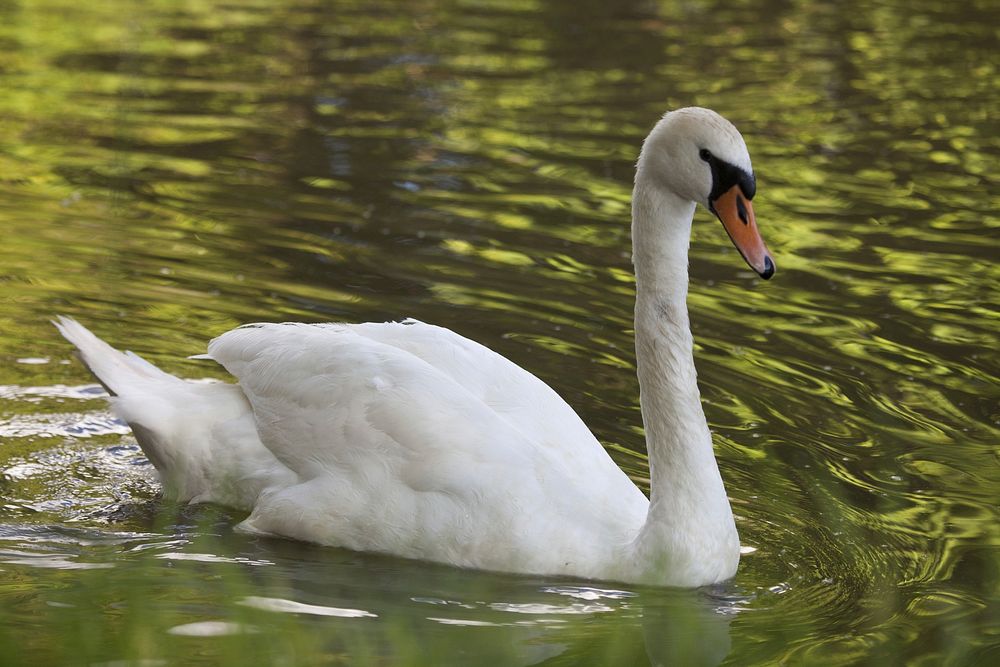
(116, 371)
(201, 437)
(140, 392)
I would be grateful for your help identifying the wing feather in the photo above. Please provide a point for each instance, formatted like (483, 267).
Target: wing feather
(410, 439)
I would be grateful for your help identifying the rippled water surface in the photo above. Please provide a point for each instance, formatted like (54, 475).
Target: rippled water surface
(171, 169)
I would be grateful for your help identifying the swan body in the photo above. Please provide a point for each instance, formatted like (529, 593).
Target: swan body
(408, 439)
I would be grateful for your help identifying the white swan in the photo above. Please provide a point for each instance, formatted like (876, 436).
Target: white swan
(408, 439)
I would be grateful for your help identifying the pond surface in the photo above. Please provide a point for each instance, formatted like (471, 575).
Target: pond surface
(169, 170)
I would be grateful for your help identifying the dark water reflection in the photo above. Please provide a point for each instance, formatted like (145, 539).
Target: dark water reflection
(168, 171)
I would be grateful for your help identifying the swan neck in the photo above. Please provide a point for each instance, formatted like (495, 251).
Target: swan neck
(687, 496)
(677, 434)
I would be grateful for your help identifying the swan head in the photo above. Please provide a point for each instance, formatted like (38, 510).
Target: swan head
(700, 156)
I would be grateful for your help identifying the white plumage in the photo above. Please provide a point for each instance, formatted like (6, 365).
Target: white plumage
(408, 439)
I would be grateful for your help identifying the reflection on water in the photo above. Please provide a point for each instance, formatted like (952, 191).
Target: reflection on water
(298, 598)
(168, 171)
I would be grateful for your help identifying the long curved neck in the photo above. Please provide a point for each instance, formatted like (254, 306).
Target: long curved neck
(688, 503)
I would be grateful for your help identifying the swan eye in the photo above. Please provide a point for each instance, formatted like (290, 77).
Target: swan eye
(705, 154)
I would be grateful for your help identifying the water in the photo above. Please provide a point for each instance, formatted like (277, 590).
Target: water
(170, 170)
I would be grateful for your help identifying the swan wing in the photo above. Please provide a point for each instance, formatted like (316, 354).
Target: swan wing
(340, 377)
(517, 396)
(395, 455)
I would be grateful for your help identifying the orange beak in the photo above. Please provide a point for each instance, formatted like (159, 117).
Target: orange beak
(736, 214)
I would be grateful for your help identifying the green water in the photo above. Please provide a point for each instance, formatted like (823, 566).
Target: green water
(169, 170)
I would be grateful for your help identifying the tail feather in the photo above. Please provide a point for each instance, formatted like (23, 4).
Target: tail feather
(115, 370)
(200, 437)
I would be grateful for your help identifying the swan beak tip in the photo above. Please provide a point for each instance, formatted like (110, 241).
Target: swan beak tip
(768, 268)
